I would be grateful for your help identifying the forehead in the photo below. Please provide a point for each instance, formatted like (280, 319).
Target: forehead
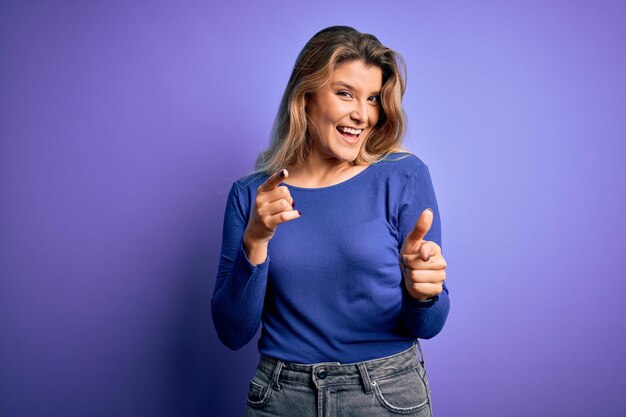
(358, 75)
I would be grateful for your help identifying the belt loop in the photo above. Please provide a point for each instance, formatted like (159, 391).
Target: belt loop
(421, 358)
(277, 369)
(367, 384)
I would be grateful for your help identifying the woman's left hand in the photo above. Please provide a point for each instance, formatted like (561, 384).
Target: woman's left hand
(423, 266)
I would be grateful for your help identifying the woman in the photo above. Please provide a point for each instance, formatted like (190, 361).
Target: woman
(342, 262)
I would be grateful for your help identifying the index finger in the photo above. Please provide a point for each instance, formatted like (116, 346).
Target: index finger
(273, 180)
(421, 227)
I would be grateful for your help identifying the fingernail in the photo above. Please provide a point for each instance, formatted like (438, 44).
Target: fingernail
(431, 210)
(293, 203)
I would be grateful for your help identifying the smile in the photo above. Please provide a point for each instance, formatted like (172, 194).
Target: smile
(349, 135)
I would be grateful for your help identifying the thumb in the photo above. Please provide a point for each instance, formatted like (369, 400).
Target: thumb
(414, 239)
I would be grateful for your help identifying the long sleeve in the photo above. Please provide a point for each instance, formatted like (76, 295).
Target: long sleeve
(422, 319)
(237, 303)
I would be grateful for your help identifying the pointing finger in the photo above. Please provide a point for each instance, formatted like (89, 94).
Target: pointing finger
(422, 226)
(413, 240)
(273, 180)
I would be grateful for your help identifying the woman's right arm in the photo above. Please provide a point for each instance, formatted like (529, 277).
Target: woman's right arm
(237, 303)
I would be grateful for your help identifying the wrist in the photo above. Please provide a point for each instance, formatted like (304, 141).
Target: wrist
(255, 251)
(251, 243)
(424, 303)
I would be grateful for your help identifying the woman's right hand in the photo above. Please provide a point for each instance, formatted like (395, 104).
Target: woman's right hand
(273, 205)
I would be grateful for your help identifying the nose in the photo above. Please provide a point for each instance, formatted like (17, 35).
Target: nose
(360, 112)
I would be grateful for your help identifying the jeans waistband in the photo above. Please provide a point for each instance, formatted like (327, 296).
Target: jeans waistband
(334, 373)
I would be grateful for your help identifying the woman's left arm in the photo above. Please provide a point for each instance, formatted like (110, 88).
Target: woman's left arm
(425, 319)
(425, 299)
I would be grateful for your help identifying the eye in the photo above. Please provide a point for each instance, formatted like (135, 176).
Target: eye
(376, 98)
(344, 92)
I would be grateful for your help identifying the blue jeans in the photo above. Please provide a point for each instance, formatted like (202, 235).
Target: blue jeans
(388, 386)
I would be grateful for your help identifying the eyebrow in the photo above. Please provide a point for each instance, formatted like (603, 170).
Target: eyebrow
(350, 87)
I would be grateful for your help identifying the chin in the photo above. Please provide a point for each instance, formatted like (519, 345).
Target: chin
(347, 155)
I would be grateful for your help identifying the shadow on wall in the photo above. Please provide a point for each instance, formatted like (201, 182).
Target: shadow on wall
(201, 376)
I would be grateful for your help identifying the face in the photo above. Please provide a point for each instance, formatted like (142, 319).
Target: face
(350, 99)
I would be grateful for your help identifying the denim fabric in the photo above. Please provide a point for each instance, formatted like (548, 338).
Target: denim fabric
(389, 386)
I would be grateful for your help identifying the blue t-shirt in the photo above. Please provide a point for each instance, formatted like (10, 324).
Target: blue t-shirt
(331, 288)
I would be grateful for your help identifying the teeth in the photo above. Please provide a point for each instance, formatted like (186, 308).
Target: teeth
(350, 130)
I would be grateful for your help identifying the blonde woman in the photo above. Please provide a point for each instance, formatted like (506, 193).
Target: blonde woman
(333, 244)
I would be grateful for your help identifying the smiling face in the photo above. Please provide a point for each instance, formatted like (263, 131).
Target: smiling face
(350, 99)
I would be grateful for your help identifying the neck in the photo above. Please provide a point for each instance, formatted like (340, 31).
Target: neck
(319, 167)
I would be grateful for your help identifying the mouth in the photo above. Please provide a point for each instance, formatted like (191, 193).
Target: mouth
(351, 138)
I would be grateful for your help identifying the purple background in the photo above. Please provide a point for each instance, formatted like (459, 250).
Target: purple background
(123, 125)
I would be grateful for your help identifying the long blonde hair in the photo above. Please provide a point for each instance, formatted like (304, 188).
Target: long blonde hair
(290, 136)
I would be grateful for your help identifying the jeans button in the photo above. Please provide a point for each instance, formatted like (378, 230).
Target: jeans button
(321, 374)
